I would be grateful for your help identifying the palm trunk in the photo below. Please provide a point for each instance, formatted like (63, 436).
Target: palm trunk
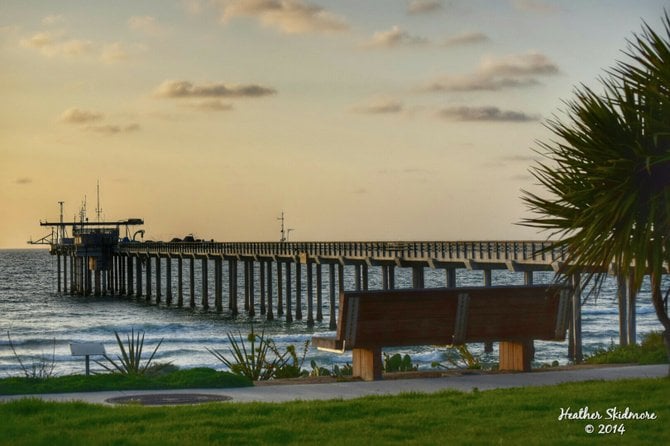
(657, 299)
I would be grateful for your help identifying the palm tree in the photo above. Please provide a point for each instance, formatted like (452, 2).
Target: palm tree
(608, 172)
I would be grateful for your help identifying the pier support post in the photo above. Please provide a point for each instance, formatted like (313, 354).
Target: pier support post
(58, 276)
(298, 290)
(577, 318)
(158, 280)
(270, 314)
(218, 278)
(319, 293)
(261, 274)
(180, 281)
(148, 273)
(192, 281)
(417, 277)
(246, 284)
(65, 274)
(366, 282)
(528, 277)
(205, 294)
(310, 296)
(357, 281)
(289, 316)
(139, 277)
(232, 273)
(391, 277)
(280, 290)
(331, 285)
(168, 281)
(451, 277)
(97, 280)
(488, 281)
(73, 280)
(252, 304)
(130, 290)
(385, 277)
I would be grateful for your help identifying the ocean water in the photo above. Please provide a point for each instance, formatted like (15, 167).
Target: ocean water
(43, 323)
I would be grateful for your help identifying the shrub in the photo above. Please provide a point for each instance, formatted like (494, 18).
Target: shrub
(129, 363)
(42, 366)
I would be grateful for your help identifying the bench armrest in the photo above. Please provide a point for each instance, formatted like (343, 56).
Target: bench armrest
(328, 344)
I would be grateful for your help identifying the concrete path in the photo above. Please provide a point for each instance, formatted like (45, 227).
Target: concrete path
(348, 390)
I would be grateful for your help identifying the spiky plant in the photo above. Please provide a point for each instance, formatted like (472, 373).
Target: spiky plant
(608, 171)
(130, 360)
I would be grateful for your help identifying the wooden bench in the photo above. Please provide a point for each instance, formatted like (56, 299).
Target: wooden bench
(511, 315)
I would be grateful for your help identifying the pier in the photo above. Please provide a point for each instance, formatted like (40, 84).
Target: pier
(285, 280)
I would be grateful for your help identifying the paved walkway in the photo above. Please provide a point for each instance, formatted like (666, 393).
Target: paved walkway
(348, 390)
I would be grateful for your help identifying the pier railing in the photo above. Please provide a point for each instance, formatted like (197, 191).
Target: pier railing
(531, 252)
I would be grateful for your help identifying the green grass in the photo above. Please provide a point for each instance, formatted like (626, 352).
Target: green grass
(179, 379)
(650, 351)
(509, 416)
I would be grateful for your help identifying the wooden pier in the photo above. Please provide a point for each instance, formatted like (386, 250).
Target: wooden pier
(144, 270)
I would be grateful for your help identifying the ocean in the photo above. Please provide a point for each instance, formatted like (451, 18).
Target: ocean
(42, 323)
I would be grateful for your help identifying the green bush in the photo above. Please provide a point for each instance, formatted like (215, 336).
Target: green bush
(398, 363)
(650, 351)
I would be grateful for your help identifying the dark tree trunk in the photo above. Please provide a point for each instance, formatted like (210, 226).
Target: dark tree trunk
(657, 299)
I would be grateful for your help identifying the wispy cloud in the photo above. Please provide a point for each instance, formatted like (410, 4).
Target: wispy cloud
(213, 105)
(496, 73)
(486, 113)
(393, 38)
(537, 6)
(186, 89)
(112, 129)
(53, 19)
(79, 116)
(423, 6)
(85, 119)
(466, 39)
(118, 52)
(378, 106)
(147, 25)
(54, 44)
(288, 16)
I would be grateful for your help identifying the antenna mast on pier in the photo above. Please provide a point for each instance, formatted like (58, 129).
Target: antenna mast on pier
(61, 230)
(283, 238)
(98, 209)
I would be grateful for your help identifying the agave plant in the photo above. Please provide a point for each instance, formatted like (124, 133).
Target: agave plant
(130, 360)
(608, 172)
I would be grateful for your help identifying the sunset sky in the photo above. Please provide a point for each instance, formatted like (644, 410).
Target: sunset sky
(360, 119)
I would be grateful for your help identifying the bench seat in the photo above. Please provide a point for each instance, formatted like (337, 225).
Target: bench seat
(512, 315)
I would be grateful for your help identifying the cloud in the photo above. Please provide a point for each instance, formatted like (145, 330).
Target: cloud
(23, 180)
(423, 6)
(52, 44)
(213, 105)
(118, 52)
(489, 113)
(513, 71)
(53, 19)
(537, 6)
(393, 38)
(466, 39)
(288, 16)
(110, 129)
(79, 116)
(527, 64)
(379, 106)
(147, 25)
(186, 89)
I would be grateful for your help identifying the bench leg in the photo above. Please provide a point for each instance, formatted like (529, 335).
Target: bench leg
(516, 356)
(367, 363)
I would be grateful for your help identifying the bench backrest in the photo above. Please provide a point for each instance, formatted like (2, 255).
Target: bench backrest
(452, 315)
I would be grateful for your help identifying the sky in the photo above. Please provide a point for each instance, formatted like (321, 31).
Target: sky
(359, 119)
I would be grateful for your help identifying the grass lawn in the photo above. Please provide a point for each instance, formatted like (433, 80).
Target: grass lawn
(511, 416)
(179, 379)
